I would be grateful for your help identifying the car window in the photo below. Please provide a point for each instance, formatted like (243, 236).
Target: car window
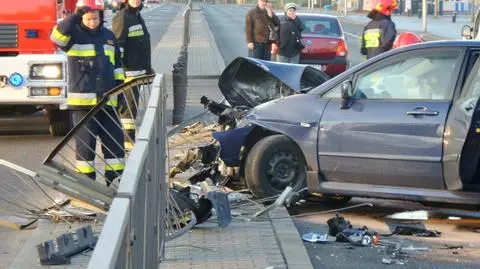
(472, 85)
(335, 92)
(426, 75)
(321, 26)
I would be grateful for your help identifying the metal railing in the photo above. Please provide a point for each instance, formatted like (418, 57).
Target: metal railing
(133, 232)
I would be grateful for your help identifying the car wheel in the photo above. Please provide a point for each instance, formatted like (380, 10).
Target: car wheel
(272, 164)
(60, 122)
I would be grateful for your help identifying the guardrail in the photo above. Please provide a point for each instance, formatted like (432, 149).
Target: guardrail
(133, 232)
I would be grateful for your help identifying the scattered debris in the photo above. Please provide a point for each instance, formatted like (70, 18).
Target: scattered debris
(337, 224)
(410, 215)
(58, 252)
(315, 238)
(415, 231)
(452, 247)
(222, 207)
(413, 248)
(18, 223)
(393, 254)
(279, 202)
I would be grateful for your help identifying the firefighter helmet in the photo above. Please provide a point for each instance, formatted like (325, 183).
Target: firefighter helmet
(406, 38)
(385, 7)
(92, 4)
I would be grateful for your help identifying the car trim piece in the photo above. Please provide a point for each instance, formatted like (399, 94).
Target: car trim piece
(394, 192)
(380, 156)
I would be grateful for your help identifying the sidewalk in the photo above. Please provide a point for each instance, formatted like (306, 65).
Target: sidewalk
(256, 244)
(441, 27)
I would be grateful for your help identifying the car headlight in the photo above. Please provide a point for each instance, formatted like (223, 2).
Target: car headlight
(46, 71)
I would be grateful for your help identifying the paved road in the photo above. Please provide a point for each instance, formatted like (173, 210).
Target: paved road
(26, 141)
(224, 20)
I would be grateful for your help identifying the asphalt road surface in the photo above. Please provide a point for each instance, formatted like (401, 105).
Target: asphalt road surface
(227, 25)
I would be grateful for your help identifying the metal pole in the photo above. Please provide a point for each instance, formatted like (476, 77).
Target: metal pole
(437, 7)
(472, 19)
(345, 8)
(424, 15)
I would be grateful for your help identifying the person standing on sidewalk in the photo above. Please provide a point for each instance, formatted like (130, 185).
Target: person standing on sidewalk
(260, 24)
(94, 67)
(134, 40)
(290, 38)
(379, 34)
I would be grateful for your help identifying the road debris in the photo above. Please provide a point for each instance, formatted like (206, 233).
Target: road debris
(415, 231)
(59, 251)
(315, 237)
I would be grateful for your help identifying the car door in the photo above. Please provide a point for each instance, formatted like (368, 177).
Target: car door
(462, 132)
(393, 132)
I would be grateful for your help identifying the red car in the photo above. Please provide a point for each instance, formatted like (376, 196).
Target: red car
(325, 45)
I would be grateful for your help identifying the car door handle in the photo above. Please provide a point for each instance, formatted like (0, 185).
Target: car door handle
(423, 113)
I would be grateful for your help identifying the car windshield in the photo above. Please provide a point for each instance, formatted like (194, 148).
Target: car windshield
(321, 26)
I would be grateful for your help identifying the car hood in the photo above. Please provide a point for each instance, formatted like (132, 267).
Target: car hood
(250, 82)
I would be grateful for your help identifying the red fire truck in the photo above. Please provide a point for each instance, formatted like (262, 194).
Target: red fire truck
(32, 71)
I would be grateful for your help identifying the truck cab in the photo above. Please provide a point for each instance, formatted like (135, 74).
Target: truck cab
(33, 72)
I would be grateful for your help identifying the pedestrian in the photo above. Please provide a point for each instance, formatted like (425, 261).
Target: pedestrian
(94, 67)
(134, 41)
(260, 24)
(379, 34)
(290, 38)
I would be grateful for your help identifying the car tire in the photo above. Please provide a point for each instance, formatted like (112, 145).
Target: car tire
(272, 164)
(60, 122)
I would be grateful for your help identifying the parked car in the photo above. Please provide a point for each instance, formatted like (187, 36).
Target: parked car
(403, 125)
(325, 45)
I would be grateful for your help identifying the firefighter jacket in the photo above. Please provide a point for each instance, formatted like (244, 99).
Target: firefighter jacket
(94, 64)
(134, 40)
(378, 36)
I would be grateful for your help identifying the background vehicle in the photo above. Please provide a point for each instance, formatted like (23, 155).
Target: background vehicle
(469, 32)
(404, 125)
(325, 45)
(32, 72)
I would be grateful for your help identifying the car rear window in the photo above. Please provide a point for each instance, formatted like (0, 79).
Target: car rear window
(321, 26)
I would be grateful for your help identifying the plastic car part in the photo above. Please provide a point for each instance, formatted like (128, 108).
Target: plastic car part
(59, 252)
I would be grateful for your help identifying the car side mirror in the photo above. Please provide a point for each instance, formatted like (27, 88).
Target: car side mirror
(467, 32)
(347, 94)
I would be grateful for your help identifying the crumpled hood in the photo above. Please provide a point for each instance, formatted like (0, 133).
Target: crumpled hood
(251, 82)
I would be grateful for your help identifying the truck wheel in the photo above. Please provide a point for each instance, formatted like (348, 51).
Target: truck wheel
(60, 121)
(274, 163)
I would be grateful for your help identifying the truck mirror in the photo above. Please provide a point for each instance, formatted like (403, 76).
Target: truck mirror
(467, 32)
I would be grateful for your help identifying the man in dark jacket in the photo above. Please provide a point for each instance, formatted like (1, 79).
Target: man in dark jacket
(290, 36)
(379, 34)
(94, 67)
(259, 30)
(134, 40)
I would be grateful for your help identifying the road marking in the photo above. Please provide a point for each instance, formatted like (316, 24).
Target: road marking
(352, 35)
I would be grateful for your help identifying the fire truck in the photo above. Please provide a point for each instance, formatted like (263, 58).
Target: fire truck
(33, 73)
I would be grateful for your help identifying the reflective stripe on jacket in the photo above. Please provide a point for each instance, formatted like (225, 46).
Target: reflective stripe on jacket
(94, 63)
(378, 36)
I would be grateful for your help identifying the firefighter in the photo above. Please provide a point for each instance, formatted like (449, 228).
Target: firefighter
(380, 32)
(406, 38)
(134, 40)
(94, 67)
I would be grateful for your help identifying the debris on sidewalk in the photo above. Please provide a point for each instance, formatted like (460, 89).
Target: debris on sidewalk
(59, 251)
(415, 231)
(315, 237)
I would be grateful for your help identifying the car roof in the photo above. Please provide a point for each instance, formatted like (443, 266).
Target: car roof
(302, 14)
(445, 43)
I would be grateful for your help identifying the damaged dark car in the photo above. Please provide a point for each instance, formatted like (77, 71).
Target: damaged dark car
(404, 125)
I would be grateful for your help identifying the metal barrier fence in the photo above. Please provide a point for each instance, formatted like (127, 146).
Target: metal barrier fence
(132, 236)
(75, 161)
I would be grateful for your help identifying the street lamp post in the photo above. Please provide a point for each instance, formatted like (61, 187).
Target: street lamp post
(345, 8)
(424, 16)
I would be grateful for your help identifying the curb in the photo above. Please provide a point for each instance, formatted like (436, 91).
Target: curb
(289, 240)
